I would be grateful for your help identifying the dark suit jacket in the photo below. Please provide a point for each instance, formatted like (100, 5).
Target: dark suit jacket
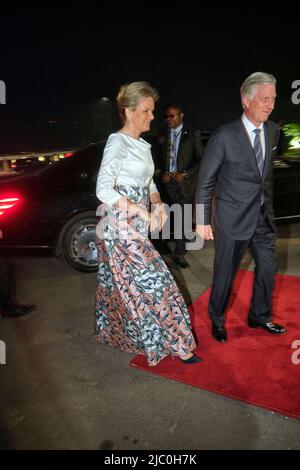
(230, 185)
(189, 155)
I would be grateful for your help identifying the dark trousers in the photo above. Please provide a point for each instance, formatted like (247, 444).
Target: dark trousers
(5, 290)
(174, 195)
(227, 259)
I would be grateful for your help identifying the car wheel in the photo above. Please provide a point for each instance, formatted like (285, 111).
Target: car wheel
(79, 246)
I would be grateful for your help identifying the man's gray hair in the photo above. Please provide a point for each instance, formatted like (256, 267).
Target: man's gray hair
(248, 87)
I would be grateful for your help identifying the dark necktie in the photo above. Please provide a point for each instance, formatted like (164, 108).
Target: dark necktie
(258, 151)
(173, 156)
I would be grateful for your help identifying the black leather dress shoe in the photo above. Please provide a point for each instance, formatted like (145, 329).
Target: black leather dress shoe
(273, 328)
(219, 333)
(17, 311)
(192, 360)
(180, 261)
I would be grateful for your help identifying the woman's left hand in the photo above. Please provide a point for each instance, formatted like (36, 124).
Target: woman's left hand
(161, 213)
(155, 223)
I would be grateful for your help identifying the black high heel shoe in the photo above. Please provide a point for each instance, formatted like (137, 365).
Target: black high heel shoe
(192, 360)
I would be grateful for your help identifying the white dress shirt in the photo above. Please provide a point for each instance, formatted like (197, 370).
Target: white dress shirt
(250, 128)
(126, 161)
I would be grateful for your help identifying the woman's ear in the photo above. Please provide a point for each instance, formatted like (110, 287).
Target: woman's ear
(128, 113)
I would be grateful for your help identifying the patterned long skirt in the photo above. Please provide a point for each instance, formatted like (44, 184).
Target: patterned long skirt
(138, 305)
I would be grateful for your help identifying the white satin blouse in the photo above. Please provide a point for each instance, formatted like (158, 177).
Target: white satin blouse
(126, 161)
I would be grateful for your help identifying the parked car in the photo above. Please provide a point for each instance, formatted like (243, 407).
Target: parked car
(53, 210)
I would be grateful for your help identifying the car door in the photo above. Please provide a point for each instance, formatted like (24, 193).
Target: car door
(285, 189)
(296, 166)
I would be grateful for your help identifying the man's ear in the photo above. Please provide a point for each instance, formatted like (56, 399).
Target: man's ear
(245, 102)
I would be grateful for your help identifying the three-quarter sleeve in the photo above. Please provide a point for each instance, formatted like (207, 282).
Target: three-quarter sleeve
(114, 155)
(152, 187)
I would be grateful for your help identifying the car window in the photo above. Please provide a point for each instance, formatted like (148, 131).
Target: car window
(88, 158)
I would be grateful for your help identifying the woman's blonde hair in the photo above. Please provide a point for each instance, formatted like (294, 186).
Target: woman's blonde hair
(130, 95)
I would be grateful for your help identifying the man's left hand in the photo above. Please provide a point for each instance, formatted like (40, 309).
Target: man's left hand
(179, 176)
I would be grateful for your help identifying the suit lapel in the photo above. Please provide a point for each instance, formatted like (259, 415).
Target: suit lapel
(166, 150)
(245, 143)
(268, 148)
(183, 136)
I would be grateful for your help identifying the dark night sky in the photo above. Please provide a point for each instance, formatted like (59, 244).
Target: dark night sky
(59, 62)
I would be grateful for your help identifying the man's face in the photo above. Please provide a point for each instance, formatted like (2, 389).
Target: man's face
(173, 117)
(259, 108)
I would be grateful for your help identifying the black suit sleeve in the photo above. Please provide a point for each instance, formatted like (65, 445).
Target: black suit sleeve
(198, 151)
(211, 164)
(157, 153)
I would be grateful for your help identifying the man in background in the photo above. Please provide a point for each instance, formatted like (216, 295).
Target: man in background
(177, 155)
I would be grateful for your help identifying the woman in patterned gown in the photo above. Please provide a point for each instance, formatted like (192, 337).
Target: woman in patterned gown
(138, 305)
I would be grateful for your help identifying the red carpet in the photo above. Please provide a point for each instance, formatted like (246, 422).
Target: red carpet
(253, 366)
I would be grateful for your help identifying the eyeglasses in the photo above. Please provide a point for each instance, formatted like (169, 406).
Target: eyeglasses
(167, 116)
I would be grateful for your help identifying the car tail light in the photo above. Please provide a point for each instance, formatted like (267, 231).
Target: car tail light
(7, 203)
(70, 154)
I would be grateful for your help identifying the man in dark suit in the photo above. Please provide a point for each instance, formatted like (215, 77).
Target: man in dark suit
(235, 189)
(7, 307)
(177, 155)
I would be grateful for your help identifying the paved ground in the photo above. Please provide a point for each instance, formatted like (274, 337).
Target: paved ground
(60, 389)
